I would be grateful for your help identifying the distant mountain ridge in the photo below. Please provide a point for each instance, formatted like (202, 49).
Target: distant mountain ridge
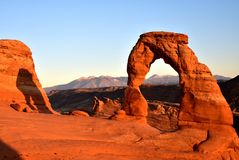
(108, 81)
(91, 82)
(162, 80)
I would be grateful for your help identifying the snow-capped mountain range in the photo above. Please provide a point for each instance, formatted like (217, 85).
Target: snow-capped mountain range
(108, 81)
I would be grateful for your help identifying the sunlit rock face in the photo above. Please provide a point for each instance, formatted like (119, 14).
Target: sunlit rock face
(20, 87)
(202, 100)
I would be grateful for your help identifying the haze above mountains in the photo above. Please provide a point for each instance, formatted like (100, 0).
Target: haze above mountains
(108, 81)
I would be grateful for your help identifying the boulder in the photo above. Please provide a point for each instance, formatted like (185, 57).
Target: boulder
(20, 87)
(79, 113)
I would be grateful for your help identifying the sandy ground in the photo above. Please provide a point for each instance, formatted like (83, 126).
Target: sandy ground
(43, 136)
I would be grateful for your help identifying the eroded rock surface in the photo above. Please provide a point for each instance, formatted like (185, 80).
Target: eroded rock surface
(19, 84)
(202, 100)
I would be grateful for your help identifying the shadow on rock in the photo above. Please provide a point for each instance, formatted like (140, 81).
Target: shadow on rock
(8, 153)
(33, 96)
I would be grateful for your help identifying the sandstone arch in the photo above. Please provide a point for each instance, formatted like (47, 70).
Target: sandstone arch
(202, 99)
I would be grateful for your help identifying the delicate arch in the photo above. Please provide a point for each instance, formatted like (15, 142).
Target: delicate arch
(202, 100)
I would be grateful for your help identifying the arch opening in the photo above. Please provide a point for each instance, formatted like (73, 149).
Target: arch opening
(161, 83)
(163, 95)
(159, 67)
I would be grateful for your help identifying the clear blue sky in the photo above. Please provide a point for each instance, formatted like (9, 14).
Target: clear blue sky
(74, 38)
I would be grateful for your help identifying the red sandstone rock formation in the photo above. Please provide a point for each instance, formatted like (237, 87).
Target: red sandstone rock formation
(202, 99)
(19, 84)
(202, 107)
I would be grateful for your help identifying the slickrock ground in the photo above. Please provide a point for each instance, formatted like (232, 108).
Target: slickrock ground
(35, 136)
